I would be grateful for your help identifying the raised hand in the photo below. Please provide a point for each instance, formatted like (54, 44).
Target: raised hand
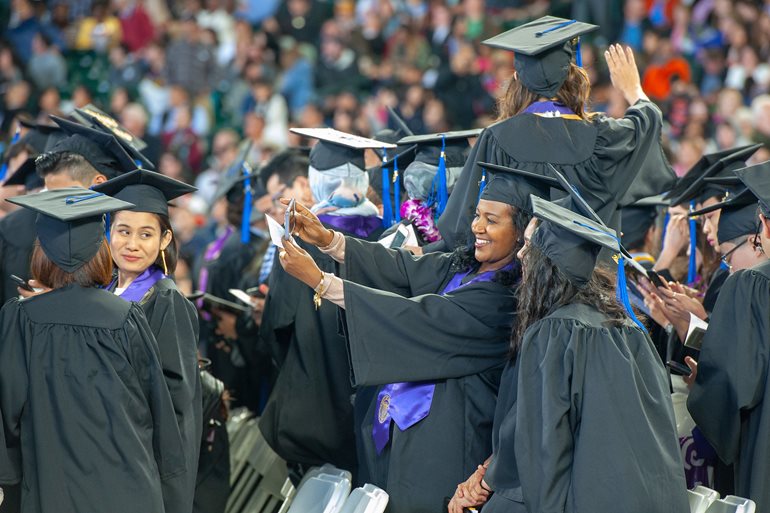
(308, 227)
(298, 263)
(624, 73)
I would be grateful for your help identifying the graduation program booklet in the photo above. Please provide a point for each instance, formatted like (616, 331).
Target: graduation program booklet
(695, 332)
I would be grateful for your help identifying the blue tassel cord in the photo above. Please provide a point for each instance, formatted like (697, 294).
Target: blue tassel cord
(387, 206)
(442, 192)
(247, 206)
(4, 167)
(692, 271)
(396, 192)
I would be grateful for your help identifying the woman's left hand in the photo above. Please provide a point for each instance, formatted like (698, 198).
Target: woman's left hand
(297, 262)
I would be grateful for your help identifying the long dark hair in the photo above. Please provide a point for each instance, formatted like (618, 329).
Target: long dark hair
(545, 288)
(464, 256)
(172, 251)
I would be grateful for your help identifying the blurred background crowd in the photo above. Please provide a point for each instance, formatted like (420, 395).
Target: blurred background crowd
(201, 81)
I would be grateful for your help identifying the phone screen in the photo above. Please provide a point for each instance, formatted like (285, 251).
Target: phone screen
(288, 219)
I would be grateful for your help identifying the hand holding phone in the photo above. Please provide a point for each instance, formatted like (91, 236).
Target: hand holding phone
(22, 283)
(289, 219)
(678, 368)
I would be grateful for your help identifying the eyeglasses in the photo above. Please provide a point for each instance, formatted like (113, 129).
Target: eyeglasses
(757, 243)
(727, 255)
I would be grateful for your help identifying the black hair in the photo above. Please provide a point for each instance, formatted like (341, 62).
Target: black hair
(288, 165)
(545, 288)
(75, 165)
(464, 256)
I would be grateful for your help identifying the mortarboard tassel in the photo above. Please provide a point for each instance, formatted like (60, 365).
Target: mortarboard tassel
(443, 194)
(396, 192)
(387, 206)
(578, 54)
(691, 268)
(138, 163)
(621, 287)
(555, 27)
(482, 182)
(666, 219)
(14, 140)
(622, 292)
(247, 205)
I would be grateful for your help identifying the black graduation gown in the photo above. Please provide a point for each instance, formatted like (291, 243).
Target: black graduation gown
(84, 404)
(17, 237)
(240, 373)
(584, 422)
(730, 400)
(174, 322)
(614, 162)
(308, 418)
(400, 329)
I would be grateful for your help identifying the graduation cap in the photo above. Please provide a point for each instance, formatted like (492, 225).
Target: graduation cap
(39, 138)
(147, 190)
(388, 172)
(543, 49)
(757, 179)
(516, 186)
(107, 124)
(70, 223)
(694, 186)
(637, 218)
(241, 181)
(738, 215)
(573, 243)
(100, 149)
(335, 149)
(444, 150)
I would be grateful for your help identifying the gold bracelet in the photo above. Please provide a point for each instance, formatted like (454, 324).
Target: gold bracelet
(318, 292)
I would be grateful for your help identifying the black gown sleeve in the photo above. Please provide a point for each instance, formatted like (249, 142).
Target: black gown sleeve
(393, 338)
(732, 368)
(14, 390)
(143, 352)
(631, 156)
(393, 270)
(546, 397)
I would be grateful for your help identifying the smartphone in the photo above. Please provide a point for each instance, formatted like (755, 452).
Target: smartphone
(288, 218)
(656, 280)
(22, 283)
(255, 292)
(678, 368)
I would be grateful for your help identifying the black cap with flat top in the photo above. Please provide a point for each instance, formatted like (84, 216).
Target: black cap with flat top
(516, 186)
(757, 179)
(429, 146)
(147, 190)
(543, 50)
(100, 149)
(102, 121)
(70, 223)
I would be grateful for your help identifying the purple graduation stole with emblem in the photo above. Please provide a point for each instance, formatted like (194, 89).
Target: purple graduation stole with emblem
(408, 403)
(139, 287)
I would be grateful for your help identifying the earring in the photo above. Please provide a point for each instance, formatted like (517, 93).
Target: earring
(163, 259)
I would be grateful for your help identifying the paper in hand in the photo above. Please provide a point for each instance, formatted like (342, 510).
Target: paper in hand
(276, 231)
(695, 332)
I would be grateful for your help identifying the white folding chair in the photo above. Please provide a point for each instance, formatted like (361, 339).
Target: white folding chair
(732, 504)
(367, 499)
(320, 492)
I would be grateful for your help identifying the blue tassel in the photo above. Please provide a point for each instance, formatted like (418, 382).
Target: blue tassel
(443, 194)
(578, 54)
(555, 27)
(247, 205)
(138, 163)
(396, 192)
(482, 183)
(622, 293)
(387, 205)
(691, 269)
(665, 228)
(4, 167)
(107, 226)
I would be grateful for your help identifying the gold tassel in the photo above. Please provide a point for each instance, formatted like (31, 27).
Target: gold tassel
(163, 258)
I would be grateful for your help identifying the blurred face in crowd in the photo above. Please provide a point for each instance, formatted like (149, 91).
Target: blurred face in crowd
(298, 190)
(528, 232)
(136, 240)
(710, 222)
(494, 232)
(225, 149)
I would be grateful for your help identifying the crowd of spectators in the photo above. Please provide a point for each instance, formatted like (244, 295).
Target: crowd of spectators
(202, 80)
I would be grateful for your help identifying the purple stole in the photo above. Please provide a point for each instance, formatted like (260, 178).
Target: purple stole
(360, 226)
(139, 287)
(212, 253)
(406, 404)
